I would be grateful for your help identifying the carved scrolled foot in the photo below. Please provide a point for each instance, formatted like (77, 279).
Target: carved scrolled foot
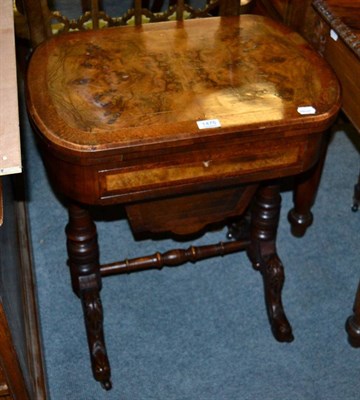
(93, 314)
(272, 272)
(83, 252)
(263, 255)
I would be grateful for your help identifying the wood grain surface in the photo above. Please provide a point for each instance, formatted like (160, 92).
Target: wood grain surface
(127, 86)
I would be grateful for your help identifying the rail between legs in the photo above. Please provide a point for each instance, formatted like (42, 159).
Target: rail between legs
(86, 272)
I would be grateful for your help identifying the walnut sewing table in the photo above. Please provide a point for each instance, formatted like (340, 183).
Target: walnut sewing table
(185, 123)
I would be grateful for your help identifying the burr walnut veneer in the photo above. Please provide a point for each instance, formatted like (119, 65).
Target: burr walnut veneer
(184, 123)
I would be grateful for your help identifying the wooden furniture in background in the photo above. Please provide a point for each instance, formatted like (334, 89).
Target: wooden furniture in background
(333, 27)
(339, 43)
(300, 16)
(297, 14)
(338, 38)
(21, 367)
(184, 123)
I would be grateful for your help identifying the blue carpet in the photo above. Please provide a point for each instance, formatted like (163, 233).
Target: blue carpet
(201, 331)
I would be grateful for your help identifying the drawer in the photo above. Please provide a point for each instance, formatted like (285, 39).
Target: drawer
(191, 168)
(203, 166)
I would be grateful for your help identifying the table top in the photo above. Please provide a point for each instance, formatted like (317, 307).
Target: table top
(10, 155)
(123, 87)
(344, 17)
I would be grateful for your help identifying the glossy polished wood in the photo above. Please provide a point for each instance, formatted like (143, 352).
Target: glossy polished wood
(94, 85)
(342, 49)
(119, 116)
(300, 16)
(342, 16)
(103, 119)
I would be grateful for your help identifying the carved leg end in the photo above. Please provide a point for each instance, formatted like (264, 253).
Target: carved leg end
(100, 365)
(282, 330)
(83, 255)
(273, 276)
(263, 255)
(93, 315)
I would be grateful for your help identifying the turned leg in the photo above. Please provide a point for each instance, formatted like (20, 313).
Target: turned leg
(83, 255)
(263, 255)
(353, 322)
(306, 186)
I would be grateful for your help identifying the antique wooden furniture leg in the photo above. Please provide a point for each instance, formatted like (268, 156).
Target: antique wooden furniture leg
(83, 256)
(263, 255)
(305, 190)
(353, 322)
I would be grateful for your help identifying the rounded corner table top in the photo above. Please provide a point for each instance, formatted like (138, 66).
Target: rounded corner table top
(128, 86)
